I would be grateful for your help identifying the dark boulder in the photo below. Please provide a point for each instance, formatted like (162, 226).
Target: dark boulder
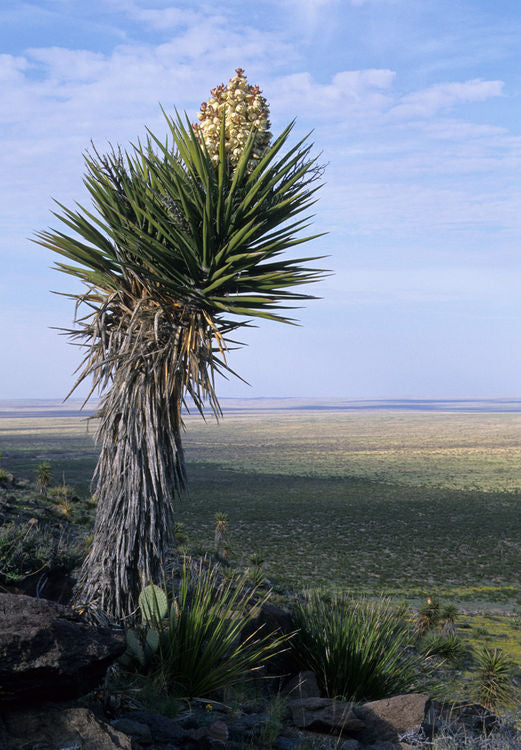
(58, 727)
(47, 652)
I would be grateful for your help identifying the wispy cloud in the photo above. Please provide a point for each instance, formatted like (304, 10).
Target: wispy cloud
(443, 96)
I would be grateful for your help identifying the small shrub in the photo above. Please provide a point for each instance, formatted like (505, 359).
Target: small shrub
(65, 508)
(61, 492)
(4, 476)
(359, 650)
(256, 572)
(28, 548)
(494, 686)
(449, 647)
(192, 646)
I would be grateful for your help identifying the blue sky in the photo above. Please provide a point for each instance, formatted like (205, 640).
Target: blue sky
(416, 109)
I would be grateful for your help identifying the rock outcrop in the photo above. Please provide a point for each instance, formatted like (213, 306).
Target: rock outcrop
(48, 652)
(65, 728)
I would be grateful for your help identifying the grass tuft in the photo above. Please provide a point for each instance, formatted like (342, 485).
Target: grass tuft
(359, 649)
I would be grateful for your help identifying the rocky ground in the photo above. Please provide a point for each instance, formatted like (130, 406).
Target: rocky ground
(55, 695)
(59, 686)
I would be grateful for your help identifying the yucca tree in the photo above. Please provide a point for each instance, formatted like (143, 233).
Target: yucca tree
(181, 249)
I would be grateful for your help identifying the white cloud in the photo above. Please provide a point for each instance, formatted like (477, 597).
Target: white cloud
(63, 65)
(443, 96)
(365, 92)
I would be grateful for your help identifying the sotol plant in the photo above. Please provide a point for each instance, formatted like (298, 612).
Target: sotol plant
(184, 245)
(193, 646)
(358, 649)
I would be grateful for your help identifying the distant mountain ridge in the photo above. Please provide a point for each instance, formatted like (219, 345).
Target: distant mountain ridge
(10, 408)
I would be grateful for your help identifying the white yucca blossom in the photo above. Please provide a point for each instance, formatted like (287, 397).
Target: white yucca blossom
(243, 110)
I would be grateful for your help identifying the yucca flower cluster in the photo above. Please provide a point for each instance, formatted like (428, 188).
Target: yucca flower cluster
(244, 110)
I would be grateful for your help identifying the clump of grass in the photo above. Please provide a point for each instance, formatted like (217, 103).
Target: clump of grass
(493, 678)
(359, 649)
(61, 492)
(65, 508)
(503, 736)
(194, 643)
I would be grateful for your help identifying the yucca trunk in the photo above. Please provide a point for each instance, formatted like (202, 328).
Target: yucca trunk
(140, 469)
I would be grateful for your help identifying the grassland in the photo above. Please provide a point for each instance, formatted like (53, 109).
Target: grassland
(410, 502)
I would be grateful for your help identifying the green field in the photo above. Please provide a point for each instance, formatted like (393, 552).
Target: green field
(407, 502)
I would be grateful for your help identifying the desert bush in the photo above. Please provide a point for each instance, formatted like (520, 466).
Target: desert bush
(28, 548)
(192, 645)
(61, 492)
(449, 647)
(359, 649)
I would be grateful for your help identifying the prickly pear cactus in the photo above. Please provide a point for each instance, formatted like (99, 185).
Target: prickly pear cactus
(135, 646)
(153, 603)
(152, 641)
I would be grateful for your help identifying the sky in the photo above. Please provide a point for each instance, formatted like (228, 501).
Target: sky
(415, 111)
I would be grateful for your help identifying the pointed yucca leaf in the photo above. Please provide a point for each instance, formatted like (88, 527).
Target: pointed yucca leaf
(277, 247)
(251, 311)
(78, 223)
(271, 153)
(74, 250)
(241, 236)
(273, 185)
(222, 174)
(240, 169)
(182, 245)
(260, 176)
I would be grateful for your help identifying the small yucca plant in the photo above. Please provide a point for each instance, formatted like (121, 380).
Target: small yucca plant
(43, 476)
(494, 686)
(447, 646)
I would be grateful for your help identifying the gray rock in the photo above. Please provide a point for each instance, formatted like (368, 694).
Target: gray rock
(325, 714)
(162, 728)
(135, 729)
(286, 743)
(351, 744)
(247, 725)
(388, 719)
(49, 652)
(53, 728)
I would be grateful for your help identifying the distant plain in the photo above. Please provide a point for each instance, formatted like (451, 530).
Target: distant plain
(408, 498)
